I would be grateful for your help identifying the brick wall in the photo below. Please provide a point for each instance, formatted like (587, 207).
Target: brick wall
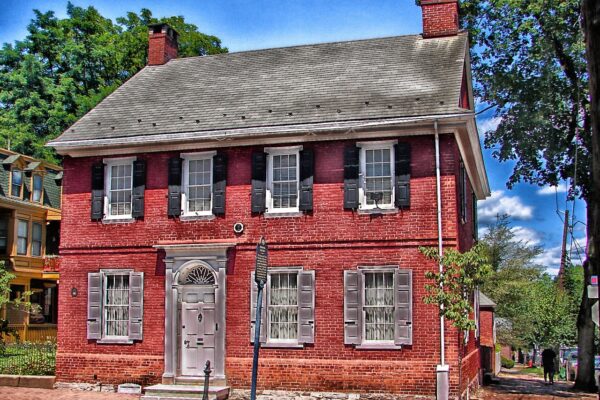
(486, 318)
(328, 240)
(440, 18)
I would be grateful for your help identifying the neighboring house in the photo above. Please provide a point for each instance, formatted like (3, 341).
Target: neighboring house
(487, 336)
(327, 151)
(30, 191)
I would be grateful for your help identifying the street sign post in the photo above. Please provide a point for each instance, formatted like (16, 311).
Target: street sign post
(595, 316)
(260, 277)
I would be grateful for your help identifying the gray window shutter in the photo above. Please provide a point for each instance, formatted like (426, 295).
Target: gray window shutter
(174, 207)
(253, 297)
(94, 309)
(136, 305)
(307, 162)
(259, 182)
(402, 175)
(403, 307)
(352, 307)
(97, 191)
(351, 169)
(139, 186)
(219, 183)
(306, 307)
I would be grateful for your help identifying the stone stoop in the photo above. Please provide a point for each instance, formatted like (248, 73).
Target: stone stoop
(184, 392)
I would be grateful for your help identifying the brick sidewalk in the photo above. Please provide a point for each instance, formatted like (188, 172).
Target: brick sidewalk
(20, 393)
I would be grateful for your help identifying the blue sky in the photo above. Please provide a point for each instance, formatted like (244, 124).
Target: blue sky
(245, 25)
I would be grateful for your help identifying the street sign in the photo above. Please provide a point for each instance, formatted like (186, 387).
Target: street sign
(260, 277)
(595, 316)
(262, 261)
(592, 291)
(594, 280)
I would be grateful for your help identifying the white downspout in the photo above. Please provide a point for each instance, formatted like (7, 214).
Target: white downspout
(442, 369)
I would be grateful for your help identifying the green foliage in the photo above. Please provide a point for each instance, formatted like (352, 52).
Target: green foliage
(5, 300)
(462, 274)
(64, 67)
(506, 362)
(528, 60)
(29, 359)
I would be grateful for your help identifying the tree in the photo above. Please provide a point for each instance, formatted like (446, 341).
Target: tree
(6, 301)
(64, 67)
(529, 63)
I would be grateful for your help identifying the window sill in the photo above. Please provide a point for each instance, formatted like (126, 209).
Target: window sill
(371, 211)
(114, 341)
(274, 345)
(379, 347)
(118, 220)
(193, 217)
(289, 214)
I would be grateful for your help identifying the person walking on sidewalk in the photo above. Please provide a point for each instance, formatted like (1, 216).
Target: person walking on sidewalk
(548, 357)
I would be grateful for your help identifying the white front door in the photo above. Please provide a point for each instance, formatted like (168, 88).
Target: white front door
(197, 336)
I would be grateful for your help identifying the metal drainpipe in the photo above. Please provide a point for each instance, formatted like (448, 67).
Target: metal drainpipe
(442, 369)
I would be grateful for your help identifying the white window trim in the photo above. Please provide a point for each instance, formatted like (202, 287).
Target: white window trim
(104, 273)
(383, 144)
(278, 151)
(282, 342)
(187, 157)
(109, 162)
(365, 344)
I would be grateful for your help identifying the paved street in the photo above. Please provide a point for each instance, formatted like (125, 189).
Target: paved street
(14, 393)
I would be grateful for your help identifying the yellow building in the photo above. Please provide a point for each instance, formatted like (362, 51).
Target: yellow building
(30, 196)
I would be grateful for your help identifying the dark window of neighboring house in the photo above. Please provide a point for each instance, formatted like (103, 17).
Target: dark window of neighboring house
(37, 189)
(3, 234)
(17, 183)
(52, 237)
(22, 234)
(36, 239)
(462, 187)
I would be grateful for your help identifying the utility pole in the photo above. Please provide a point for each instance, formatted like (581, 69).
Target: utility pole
(563, 254)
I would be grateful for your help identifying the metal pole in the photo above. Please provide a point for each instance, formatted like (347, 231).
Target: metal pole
(206, 376)
(563, 252)
(260, 285)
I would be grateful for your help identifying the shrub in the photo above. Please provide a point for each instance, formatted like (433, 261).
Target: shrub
(506, 362)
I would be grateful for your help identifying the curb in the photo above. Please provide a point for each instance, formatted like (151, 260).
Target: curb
(30, 381)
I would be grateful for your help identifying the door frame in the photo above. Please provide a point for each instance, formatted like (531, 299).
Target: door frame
(177, 259)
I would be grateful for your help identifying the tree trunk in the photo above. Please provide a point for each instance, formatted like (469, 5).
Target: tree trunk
(590, 12)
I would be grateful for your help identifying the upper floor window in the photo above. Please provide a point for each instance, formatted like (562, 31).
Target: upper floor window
(22, 236)
(16, 187)
(36, 239)
(36, 195)
(377, 175)
(118, 188)
(197, 183)
(283, 171)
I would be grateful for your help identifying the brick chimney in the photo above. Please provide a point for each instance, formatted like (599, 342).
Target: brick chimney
(162, 44)
(440, 18)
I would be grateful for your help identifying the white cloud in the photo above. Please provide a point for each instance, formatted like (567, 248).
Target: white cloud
(546, 190)
(550, 259)
(500, 204)
(489, 124)
(526, 235)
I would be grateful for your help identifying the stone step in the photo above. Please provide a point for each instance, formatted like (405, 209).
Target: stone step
(197, 380)
(184, 392)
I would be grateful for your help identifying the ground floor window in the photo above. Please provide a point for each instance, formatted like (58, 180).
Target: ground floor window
(283, 306)
(379, 306)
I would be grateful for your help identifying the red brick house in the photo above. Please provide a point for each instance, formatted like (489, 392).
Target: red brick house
(339, 154)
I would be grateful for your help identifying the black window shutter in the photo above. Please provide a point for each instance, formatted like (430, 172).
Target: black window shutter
(307, 166)
(219, 183)
(402, 172)
(139, 186)
(97, 191)
(259, 182)
(174, 208)
(351, 168)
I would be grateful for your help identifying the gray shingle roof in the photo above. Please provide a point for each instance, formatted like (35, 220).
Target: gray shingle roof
(485, 301)
(357, 80)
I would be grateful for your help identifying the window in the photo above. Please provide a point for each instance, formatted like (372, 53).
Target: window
(36, 195)
(36, 239)
(283, 170)
(283, 307)
(288, 307)
(197, 183)
(462, 191)
(377, 175)
(16, 188)
(22, 236)
(115, 306)
(378, 307)
(3, 234)
(119, 185)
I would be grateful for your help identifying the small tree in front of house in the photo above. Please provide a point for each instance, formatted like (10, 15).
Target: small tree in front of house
(450, 290)
(5, 301)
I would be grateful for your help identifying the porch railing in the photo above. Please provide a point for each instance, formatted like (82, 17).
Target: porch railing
(32, 333)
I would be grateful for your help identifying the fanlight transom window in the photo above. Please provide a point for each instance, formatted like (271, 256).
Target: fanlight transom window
(197, 275)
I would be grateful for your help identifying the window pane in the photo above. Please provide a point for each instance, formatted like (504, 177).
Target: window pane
(36, 239)
(199, 185)
(119, 195)
(22, 233)
(378, 177)
(116, 305)
(379, 306)
(283, 306)
(37, 188)
(284, 189)
(17, 182)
